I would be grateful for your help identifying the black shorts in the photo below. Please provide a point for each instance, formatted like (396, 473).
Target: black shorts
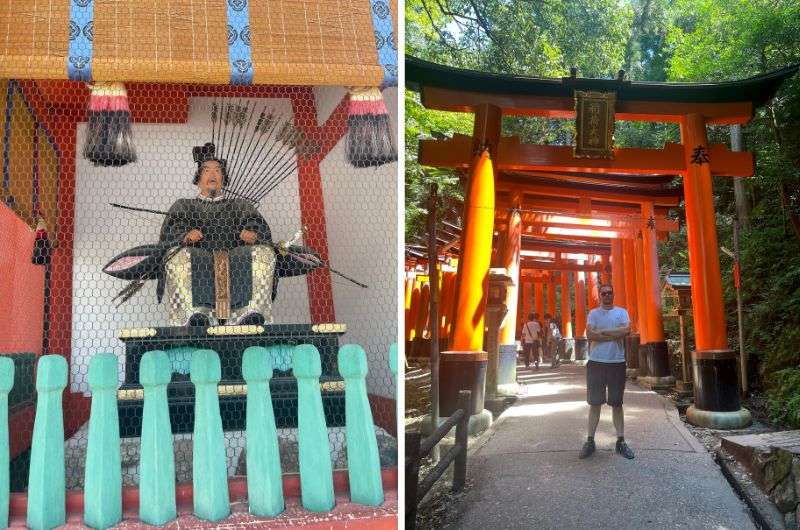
(600, 376)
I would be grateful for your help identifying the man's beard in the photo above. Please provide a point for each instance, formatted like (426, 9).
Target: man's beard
(214, 193)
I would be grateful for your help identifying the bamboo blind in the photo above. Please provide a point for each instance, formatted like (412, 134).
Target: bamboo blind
(318, 42)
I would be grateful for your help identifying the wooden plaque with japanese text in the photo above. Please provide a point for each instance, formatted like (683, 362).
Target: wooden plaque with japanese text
(594, 124)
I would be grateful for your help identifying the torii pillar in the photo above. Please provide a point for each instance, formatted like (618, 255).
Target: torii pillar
(411, 319)
(464, 366)
(641, 302)
(512, 244)
(447, 300)
(538, 288)
(716, 390)
(592, 287)
(658, 366)
(632, 352)
(566, 315)
(618, 273)
(423, 315)
(604, 270)
(580, 303)
(409, 291)
(580, 315)
(527, 302)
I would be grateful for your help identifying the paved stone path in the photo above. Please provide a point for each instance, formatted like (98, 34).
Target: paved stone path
(528, 475)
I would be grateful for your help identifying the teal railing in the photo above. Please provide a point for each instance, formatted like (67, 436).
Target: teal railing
(157, 501)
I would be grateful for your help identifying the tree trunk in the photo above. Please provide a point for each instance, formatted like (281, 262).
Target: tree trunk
(742, 206)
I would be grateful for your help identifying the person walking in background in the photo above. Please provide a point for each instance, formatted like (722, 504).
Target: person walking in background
(531, 338)
(606, 327)
(552, 338)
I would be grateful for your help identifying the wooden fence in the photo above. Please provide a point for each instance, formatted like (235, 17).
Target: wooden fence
(46, 496)
(418, 448)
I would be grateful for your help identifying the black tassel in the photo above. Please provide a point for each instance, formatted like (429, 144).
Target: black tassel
(369, 136)
(109, 138)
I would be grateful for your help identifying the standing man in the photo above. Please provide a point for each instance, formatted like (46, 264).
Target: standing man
(606, 327)
(531, 333)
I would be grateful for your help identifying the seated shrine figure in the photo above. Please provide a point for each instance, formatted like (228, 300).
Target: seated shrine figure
(225, 264)
(215, 258)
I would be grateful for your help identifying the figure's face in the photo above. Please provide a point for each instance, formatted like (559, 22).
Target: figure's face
(210, 177)
(607, 296)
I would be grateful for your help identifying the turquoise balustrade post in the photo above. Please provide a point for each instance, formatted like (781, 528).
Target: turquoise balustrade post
(156, 458)
(46, 486)
(209, 462)
(6, 383)
(264, 480)
(102, 491)
(316, 470)
(393, 363)
(363, 459)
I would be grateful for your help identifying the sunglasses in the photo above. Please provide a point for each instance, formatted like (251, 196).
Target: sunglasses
(607, 293)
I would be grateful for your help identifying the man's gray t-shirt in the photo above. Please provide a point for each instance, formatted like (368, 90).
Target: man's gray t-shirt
(611, 351)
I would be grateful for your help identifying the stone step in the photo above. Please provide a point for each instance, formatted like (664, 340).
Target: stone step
(773, 461)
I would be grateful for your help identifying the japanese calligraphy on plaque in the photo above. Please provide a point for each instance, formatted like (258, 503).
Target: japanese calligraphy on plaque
(594, 124)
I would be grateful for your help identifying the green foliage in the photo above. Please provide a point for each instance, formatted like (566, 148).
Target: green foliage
(422, 124)
(784, 398)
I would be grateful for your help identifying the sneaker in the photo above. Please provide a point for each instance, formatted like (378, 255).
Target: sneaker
(587, 449)
(624, 450)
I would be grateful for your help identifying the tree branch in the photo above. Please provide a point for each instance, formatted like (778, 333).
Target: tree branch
(436, 28)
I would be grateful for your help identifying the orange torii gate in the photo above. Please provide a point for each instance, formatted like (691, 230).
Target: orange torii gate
(644, 198)
(497, 163)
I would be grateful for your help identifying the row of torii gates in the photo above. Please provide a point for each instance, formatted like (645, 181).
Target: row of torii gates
(557, 216)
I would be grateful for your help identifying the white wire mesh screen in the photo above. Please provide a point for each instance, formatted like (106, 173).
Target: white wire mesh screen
(71, 307)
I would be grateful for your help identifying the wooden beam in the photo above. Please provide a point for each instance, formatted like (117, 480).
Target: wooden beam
(550, 246)
(656, 182)
(564, 108)
(554, 190)
(569, 204)
(535, 220)
(662, 225)
(562, 237)
(456, 152)
(556, 266)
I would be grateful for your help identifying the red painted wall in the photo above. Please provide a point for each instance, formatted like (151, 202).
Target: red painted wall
(21, 287)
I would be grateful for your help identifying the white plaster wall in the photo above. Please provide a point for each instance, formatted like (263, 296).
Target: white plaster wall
(361, 214)
(326, 98)
(162, 174)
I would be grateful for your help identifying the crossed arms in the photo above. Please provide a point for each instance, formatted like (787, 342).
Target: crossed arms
(606, 335)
